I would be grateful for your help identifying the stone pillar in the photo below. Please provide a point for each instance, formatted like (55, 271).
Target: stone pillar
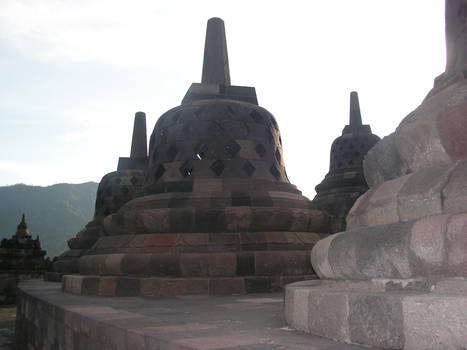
(216, 61)
(139, 141)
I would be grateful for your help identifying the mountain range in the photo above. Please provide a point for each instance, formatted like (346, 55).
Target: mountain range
(55, 213)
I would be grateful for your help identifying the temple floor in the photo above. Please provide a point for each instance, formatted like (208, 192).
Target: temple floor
(47, 318)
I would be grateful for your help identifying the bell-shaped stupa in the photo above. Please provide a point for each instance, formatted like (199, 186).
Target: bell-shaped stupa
(217, 214)
(115, 189)
(345, 181)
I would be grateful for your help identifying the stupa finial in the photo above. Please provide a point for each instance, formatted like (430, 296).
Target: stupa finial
(355, 116)
(216, 61)
(139, 140)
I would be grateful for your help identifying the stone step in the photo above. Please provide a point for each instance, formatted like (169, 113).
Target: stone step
(165, 286)
(223, 264)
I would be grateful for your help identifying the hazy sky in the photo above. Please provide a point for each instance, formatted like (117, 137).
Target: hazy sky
(73, 73)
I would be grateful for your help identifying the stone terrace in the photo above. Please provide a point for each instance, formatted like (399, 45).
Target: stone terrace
(53, 319)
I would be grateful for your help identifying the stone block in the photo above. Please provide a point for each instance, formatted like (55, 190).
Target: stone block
(376, 320)
(238, 218)
(90, 285)
(182, 220)
(421, 194)
(258, 284)
(296, 306)
(456, 244)
(155, 220)
(227, 286)
(375, 252)
(383, 208)
(273, 263)
(174, 286)
(135, 264)
(319, 257)
(127, 286)
(427, 243)
(113, 264)
(435, 322)
(383, 163)
(194, 265)
(245, 264)
(455, 192)
(333, 311)
(164, 265)
(107, 286)
(210, 220)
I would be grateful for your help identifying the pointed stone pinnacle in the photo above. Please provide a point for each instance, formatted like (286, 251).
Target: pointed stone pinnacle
(216, 61)
(355, 116)
(139, 140)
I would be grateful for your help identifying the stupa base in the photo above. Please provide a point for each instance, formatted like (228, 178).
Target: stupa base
(392, 314)
(121, 286)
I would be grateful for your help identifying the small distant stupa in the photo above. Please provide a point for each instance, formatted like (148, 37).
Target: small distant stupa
(21, 257)
(345, 181)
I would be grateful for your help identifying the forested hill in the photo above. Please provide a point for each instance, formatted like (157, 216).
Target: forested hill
(55, 213)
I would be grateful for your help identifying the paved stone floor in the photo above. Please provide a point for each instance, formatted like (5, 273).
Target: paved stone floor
(7, 327)
(253, 321)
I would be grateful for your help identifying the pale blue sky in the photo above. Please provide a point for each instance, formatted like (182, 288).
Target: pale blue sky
(73, 73)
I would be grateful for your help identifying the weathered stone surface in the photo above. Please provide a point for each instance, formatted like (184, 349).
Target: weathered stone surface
(383, 163)
(427, 243)
(333, 313)
(376, 320)
(380, 251)
(421, 195)
(456, 244)
(455, 192)
(320, 258)
(436, 322)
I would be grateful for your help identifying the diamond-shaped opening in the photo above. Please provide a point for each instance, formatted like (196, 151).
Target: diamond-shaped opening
(248, 168)
(159, 172)
(217, 167)
(172, 152)
(256, 116)
(203, 152)
(186, 169)
(232, 148)
(275, 172)
(134, 180)
(260, 150)
(278, 155)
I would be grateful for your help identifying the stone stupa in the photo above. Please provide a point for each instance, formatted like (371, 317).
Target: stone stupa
(216, 213)
(397, 278)
(115, 189)
(345, 181)
(21, 257)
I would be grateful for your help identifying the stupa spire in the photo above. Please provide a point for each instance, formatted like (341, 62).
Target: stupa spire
(139, 140)
(355, 116)
(216, 61)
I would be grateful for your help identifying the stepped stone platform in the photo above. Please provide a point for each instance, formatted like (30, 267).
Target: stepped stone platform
(390, 313)
(50, 319)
